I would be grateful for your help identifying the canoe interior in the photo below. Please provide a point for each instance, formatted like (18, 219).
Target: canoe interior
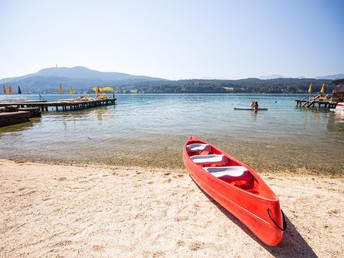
(226, 168)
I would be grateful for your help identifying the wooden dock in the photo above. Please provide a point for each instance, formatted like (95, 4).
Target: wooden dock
(315, 102)
(35, 111)
(62, 105)
(11, 118)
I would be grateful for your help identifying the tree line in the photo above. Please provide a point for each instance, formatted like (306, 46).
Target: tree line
(251, 85)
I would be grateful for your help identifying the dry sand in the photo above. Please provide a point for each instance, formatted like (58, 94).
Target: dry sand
(102, 211)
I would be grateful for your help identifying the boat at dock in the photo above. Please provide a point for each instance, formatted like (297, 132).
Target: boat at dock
(339, 107)
(237, 187)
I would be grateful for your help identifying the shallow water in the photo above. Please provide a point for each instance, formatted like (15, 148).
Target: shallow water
(150, 130)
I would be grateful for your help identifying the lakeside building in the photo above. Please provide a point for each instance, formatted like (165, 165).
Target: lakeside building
(338, 91)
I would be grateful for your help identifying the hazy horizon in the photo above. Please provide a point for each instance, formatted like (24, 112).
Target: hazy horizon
(174, 40)
(264, 77)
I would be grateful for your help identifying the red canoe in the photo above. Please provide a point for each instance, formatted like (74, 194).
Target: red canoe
(237, 187)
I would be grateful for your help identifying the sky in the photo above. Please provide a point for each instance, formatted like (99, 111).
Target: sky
(175, 39)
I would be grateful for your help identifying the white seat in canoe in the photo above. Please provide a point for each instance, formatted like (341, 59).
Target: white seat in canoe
(233, 171)
(238, 175)
(208, 159)
(198, 147)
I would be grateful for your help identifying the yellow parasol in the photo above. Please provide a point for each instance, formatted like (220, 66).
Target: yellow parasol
(106, 89)
(310, 88)
(4, 89)
(60, 89)
(322, 90)
(9, 90)
(70, 90)
(96, 90)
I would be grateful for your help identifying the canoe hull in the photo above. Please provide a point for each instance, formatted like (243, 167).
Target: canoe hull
(251, 208)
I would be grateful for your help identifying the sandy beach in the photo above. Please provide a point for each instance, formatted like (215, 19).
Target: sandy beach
(106, 211)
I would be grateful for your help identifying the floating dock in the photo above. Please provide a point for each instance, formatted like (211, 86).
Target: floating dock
(62, 105)
(13, 115)
(11, 118)
(35, 111)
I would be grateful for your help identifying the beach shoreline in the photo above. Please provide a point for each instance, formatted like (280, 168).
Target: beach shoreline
(150, 130)
(63, 210)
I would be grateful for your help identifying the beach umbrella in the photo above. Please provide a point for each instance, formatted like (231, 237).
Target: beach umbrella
(60, 89)
(70, 90)
(9, 90)
(19, 91)
(107, 89)
(322, 90)
(4, 89)
(96, 90)
(310, 88)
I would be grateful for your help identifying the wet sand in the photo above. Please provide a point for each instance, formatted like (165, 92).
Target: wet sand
(167, 154)
(110, 211)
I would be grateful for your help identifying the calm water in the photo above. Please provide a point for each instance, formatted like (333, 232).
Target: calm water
(150, 130)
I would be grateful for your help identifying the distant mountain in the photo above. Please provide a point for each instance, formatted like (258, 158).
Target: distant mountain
(331, 77)
(83, 79)
(80, 72)
(325, 77)
(80, 78)
(272, 76)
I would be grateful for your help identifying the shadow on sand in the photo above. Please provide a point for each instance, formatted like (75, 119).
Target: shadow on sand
(291, 245)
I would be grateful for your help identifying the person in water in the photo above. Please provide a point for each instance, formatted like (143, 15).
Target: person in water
(255, 108)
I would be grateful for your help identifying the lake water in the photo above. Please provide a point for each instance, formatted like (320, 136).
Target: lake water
(150, 130)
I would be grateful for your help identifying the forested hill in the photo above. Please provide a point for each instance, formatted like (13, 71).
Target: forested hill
(253, 85)
(83, 79)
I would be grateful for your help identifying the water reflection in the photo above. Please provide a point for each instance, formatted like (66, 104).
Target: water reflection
(335, 122)
(339, 116)
(21, 126)
(254, 115)
(105, 113)
(78, 125)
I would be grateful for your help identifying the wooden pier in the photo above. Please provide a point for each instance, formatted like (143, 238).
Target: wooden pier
(10, 115)
(328, 101)
(11, 118)
(62, 105)
(35, 111)
(315, 102)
